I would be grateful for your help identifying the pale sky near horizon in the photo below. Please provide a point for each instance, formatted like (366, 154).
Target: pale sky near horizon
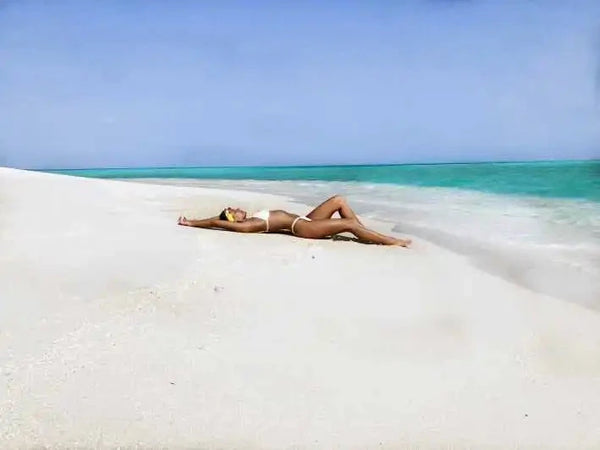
(157, 83)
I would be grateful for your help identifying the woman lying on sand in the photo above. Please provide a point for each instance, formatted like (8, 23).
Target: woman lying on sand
(315, 225)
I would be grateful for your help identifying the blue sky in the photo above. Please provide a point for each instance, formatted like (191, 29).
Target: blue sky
(157, 83)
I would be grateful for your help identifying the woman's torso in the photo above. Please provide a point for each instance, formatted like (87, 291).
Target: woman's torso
(278, 219)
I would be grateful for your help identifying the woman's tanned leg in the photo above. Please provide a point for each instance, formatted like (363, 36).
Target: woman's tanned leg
(318, 229)
(329, 207)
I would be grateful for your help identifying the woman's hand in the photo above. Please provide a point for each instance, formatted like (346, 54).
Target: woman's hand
(183, 221)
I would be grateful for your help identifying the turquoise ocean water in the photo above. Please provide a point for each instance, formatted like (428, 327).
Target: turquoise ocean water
(562, 179)
(535, 224)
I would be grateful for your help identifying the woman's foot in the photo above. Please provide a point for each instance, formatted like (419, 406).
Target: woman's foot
(403, 242)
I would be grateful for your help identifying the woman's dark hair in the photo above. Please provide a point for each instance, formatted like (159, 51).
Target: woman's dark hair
(223, 216)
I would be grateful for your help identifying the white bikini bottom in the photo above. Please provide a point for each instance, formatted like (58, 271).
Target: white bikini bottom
(296, 221)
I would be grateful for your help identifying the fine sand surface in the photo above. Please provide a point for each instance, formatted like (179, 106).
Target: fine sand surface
(119, 328)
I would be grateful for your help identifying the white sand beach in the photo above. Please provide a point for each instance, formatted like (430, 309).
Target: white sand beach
(120, 328)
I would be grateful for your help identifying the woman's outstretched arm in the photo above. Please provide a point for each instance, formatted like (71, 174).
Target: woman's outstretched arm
(198, 223)
(248, 226)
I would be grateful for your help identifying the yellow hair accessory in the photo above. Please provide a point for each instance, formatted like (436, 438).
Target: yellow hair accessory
(229, 216)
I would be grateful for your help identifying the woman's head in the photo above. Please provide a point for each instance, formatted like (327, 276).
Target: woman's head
(233, 214)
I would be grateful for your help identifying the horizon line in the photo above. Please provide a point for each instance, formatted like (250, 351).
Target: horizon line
(530, 161)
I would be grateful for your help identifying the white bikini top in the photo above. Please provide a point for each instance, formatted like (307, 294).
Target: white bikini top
(264, 215)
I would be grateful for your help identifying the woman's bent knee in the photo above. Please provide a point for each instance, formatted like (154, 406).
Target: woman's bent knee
(351, 224)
